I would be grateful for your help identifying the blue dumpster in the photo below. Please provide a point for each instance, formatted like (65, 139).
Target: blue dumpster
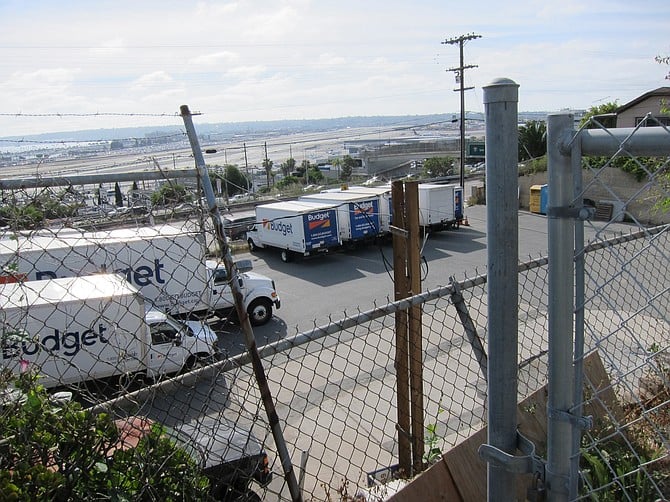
(544, 198)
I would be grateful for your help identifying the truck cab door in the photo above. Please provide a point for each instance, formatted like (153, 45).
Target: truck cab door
(222, 294)
(166, 354)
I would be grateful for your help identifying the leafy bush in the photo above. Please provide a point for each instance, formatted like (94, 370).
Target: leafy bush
(614, 472)
(633, 465)
(61, 452)
(169, 194)
(438, 166)
(21, 217)
(639, 167)
(537, 165)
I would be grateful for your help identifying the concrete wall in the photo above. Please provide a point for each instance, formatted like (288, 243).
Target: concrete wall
(641, 196)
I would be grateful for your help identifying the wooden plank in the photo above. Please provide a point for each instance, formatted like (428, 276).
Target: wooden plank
(600, 399)
(467, 469)
(433, 485)
(461, 475)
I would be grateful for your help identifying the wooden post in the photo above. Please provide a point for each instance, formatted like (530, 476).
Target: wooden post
(408, 324)
(415, 324)
(400, 280)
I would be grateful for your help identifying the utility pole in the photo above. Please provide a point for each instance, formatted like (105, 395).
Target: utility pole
(460, 79)
(266, 164)
(246, 165)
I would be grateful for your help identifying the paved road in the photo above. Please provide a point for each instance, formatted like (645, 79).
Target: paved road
(319, 290)
(315, 388)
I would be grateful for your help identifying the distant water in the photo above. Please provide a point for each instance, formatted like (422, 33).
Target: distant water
(13, 147)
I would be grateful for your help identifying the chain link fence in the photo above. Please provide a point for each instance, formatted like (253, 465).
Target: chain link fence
(623, 306)
(334, 387)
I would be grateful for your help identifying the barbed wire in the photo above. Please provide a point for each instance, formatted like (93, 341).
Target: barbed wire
(94, 114)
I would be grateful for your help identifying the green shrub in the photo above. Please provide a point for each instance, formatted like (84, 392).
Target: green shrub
(62, 452)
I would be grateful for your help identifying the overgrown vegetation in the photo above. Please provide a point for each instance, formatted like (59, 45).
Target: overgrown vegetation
(633, 464)
(33, 213)
(438, 166)
(170, 193)
(61, 452)
(233, 180)
(533, 166)
(640, 167)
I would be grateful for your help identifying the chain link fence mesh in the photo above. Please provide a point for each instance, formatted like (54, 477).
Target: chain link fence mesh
(626, 298)
(335, 386)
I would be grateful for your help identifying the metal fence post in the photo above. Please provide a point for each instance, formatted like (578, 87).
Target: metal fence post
(577, 184)
(561, 306)
(252, 349)
(500, 102)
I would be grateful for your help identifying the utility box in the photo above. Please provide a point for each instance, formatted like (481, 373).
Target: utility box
(539, 195)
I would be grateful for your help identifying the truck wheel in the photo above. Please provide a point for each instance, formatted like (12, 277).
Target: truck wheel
(260, 311)
(252, 246)
(196, 361)
(286, 256)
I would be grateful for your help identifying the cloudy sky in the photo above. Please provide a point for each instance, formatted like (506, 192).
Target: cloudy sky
(244, 60)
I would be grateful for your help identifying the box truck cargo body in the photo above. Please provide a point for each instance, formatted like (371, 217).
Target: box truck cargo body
(166, 263)
(358, 214)
(385, 203)
(91, 327)
(440, 206)
(295, 228)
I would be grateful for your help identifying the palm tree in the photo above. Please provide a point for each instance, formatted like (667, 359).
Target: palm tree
(267, 164)
(288, 166)
(532, 140)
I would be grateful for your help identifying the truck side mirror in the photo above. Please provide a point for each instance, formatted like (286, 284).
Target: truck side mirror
(244, 265)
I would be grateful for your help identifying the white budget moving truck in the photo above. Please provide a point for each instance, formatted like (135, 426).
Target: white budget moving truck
(296, 228)
(166, 263)
(440, 206)
(358, 214)
(91, 327)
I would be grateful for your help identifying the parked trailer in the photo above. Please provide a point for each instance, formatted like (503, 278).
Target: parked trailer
(167, 263)
(75, 329)
(440, 206)
(358, 214)
(295, 228)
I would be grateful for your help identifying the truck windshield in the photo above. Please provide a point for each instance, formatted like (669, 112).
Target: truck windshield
(182, 327)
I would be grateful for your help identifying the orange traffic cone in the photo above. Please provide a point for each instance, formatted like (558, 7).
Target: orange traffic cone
(465, 222)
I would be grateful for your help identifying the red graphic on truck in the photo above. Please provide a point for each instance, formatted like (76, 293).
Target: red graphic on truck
(319, 224)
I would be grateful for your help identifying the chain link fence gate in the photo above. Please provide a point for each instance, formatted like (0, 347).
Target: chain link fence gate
(620, 311)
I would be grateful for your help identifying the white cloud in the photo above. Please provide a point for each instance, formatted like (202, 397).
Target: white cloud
(244, 72)
(215, 58)
(258, 59)
(115, 46)
(152, 81)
